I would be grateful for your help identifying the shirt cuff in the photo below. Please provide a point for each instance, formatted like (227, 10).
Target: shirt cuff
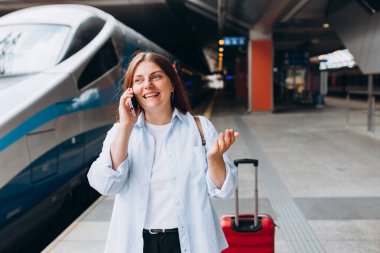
(213, 190)
(108, 171)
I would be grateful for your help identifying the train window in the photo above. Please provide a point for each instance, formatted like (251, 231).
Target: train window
(30, 48)
(103, 61)
(86, 32)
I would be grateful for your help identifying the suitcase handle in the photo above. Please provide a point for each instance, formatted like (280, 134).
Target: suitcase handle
(255, 163)
(246, 161)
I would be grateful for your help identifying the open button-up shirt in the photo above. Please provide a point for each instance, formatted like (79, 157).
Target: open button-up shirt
(198, 225)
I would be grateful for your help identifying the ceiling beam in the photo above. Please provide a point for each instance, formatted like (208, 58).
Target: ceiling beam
(292, 12)
(222, 11)
(271, 15)
(211, 13)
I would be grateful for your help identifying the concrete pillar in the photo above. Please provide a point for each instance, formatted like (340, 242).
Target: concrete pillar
(260, 64)
(324, 76)
(371, 104)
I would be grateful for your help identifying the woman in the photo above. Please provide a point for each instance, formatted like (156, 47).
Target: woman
(158, 169)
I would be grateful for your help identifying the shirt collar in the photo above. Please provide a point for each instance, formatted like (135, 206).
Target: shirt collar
(176, 114)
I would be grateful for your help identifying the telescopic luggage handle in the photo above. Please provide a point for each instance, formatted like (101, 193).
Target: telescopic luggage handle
(246, 161)
(255, 163)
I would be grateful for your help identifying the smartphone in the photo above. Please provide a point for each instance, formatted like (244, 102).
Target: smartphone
(133, 105)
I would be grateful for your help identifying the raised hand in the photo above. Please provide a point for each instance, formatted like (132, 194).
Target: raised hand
(222, 144)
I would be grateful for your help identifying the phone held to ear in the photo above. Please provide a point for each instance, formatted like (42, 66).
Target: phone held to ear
(133, 105)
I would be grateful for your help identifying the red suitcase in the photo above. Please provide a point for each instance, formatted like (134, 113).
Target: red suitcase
(248, 232)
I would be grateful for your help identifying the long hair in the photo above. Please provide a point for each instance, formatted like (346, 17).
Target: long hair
(180, 99)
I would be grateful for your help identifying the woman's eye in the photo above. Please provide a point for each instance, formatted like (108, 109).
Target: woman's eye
(156, 77)
(137, 81)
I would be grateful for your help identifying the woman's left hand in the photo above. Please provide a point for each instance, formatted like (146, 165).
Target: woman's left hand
(222, 144)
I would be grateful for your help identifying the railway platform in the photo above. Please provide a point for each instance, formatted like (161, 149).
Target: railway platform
(318, 177)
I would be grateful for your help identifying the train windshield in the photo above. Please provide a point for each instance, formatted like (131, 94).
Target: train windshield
(31, 48)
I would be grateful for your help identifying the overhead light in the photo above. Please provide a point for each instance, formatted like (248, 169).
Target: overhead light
(326, 25)
(221, 49)
(221, 42)
(220, 54)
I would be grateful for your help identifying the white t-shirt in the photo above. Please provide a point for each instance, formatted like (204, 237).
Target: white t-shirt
(161, 210)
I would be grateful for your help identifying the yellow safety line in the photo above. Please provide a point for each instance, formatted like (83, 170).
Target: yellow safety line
(208, 110)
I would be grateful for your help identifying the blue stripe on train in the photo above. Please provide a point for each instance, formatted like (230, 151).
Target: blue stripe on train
(91, 98)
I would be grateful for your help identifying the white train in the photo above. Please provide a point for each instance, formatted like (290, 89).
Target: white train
(60, 69)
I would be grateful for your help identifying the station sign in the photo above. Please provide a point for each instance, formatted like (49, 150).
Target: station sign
(234, 41)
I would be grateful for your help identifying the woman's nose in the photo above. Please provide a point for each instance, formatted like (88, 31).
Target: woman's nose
(148, 84)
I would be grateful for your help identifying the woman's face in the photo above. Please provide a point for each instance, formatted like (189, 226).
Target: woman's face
(152, 87)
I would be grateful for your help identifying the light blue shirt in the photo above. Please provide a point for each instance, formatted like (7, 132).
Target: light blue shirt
(198, 225)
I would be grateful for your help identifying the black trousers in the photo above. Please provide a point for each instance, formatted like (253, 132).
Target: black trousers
(162, 243)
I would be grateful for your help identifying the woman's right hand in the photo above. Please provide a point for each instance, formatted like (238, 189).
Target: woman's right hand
(125, 114)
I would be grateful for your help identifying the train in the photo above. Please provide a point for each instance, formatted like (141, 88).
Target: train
(61, 76)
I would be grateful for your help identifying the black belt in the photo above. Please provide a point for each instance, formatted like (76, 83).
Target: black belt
(157, 231)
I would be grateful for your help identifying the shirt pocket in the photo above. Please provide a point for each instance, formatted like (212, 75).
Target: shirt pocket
(198, 163)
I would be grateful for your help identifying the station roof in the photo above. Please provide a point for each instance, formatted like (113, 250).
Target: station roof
(190, 29)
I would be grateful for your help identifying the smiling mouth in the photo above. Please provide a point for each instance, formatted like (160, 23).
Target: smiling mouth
(150, 95)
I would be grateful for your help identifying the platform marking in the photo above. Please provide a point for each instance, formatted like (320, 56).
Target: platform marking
(289, 218)
(208, 110)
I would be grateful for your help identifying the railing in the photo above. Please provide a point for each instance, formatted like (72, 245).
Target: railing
(370, 109)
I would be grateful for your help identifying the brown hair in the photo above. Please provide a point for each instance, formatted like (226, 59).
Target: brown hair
(180, 99)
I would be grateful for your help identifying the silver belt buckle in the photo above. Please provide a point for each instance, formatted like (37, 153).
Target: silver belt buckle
(152, 232)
